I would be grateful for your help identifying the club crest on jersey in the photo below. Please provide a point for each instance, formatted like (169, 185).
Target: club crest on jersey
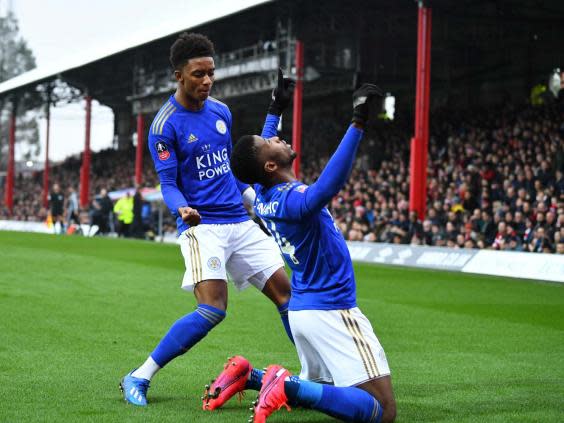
(192, 138)
(162, 150)
(221, 127)
(301, 188)
(214, 263)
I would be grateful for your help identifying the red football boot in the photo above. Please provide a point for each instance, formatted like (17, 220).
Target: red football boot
(272, 396)
(231, 381)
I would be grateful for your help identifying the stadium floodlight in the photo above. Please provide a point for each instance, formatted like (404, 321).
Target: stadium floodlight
(389, 106)
(555, 82)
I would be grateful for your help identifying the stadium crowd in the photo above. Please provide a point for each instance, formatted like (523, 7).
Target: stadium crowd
(495, 180)
(111, 170)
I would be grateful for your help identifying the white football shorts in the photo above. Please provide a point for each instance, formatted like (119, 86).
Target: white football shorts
(240, 251)
(337, 346)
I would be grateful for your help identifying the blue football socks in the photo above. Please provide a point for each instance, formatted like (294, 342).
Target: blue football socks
(303, 392)
(283, 310)
(187, 332)
(349, 404)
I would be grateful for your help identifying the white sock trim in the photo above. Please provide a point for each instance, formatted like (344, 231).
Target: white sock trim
(147, 370)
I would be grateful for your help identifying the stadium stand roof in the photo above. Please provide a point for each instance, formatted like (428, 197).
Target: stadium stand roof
(42, 74)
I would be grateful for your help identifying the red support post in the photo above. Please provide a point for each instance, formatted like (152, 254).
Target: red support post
(9, 193)
(426, 101)
(85, 168)
(139, 150)
(46, 167)
(420, 140)
(297, 116)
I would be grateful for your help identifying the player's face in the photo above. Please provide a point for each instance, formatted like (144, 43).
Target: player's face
(275, 150)
(196, 78)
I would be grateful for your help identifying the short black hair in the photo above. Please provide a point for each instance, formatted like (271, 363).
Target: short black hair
(245, 163)
(188, 46)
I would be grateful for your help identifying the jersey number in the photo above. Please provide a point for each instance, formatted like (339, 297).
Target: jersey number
(285, 246)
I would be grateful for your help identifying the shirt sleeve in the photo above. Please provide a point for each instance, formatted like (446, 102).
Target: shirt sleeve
(173, 197)
(229, 122)
(163, 152)
(270, 128)
(303, 200)
(163, 148)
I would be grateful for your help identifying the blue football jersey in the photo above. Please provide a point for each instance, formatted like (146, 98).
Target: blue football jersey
(314, 248)
(198, 144)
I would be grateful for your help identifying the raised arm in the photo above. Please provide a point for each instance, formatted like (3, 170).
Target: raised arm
(281, 99)
(309, 200)
(338, 169)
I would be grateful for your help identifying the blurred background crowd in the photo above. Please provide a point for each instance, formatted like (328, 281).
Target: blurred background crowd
(495, 180)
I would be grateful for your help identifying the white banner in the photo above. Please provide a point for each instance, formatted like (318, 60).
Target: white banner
(548, 267)
(20, 226)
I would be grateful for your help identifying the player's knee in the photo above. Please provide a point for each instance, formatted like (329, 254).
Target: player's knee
(217, 303)
(282, 299)
(213, 293)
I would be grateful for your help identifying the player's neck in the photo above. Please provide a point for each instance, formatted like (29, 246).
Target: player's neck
(186, 102)
(284, 176)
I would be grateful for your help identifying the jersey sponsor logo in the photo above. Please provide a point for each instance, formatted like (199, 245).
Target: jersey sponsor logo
(214, 263)
(162, 150)
(213, 164)
(221, 126)
(192, 138)
(267, 208)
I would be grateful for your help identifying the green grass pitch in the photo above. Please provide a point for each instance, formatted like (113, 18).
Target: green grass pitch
(77, 314)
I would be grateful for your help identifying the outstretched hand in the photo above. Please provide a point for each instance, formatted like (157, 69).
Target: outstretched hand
(361, 97)
(282, 94)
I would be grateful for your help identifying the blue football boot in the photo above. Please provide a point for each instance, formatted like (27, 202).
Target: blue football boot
(134, 389)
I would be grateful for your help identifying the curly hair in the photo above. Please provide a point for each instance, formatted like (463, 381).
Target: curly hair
(188, 46)
(245, 163)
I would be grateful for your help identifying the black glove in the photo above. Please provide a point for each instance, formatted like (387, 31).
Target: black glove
(360, 101)
(281, 95)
